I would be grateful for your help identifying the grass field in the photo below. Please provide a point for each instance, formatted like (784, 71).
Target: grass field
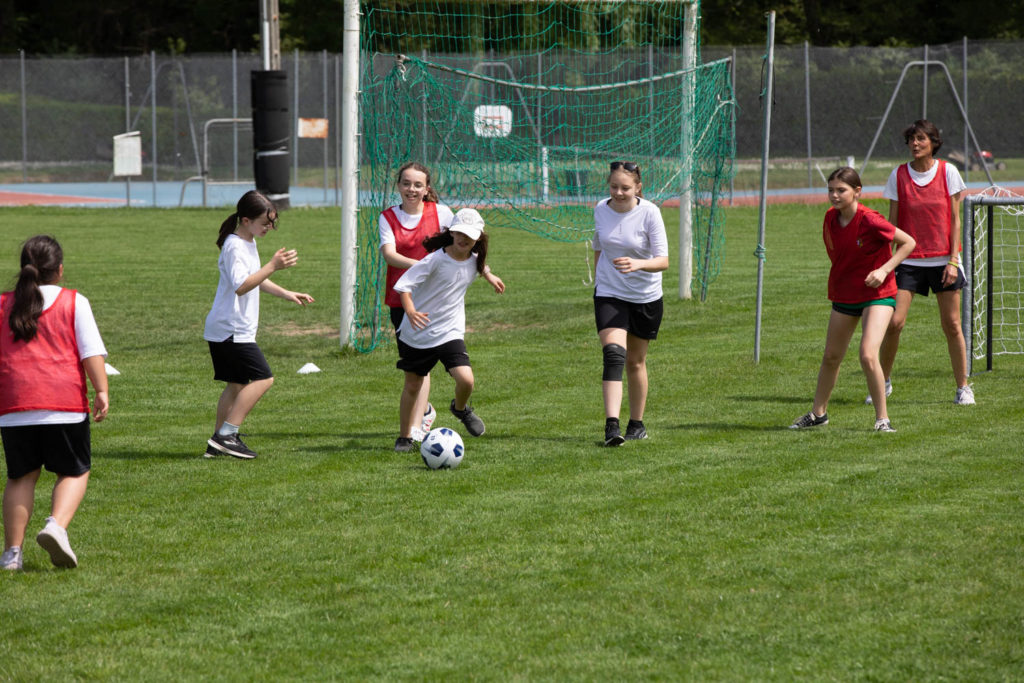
(726, 547)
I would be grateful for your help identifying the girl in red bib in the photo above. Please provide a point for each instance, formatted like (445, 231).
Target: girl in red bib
(862, 287)
(49, 344)
(924, 201)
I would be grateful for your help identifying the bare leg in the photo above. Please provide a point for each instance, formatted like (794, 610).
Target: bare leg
(19, 498)
(68, 493)
(837, 341)
(422, 398)
(246, 399)
(612, 390)
(891, 342)
(636, 374)
(224, 403)
(463, 376)
(949, 312)
(874, 324)
(407, 407)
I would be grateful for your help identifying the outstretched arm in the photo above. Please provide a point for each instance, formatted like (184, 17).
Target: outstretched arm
(283, 258)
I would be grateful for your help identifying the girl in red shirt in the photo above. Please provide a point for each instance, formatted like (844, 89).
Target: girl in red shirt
(862, 287)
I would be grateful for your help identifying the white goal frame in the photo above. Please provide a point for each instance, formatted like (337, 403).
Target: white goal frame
(979, 240)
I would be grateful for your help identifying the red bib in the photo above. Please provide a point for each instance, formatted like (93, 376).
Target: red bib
(408, 243)
(924, 212)
(46, 372)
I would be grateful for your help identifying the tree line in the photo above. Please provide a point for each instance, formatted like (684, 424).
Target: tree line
(124, 27)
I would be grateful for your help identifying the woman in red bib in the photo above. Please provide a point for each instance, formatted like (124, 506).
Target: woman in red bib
(862, 287)
(49, 344)
(924, 201)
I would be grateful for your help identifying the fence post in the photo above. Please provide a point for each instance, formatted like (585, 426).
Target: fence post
(807, 107)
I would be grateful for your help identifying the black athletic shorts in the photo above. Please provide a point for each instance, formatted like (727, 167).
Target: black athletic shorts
(63, 449)
(397, 316)
(922, 279)
(238, 363)
(640, 320)
(421, 361)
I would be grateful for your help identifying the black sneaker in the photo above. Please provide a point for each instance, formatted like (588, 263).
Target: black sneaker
(474, 425)
(635, 430)
(211, 452)
(231, 445)
(403, 444)
(612, 435)
(809, 420)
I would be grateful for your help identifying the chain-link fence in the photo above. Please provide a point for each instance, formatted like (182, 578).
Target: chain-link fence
(60, 114)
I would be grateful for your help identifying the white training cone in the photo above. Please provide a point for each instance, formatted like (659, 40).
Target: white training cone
(308, 368)
(111, 370)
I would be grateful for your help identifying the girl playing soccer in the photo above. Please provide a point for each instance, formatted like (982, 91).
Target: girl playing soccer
(232, 321)
(403, 228)
(49, 344)
(924, 201)
(861, 286)
(433, 296)
(630, 251)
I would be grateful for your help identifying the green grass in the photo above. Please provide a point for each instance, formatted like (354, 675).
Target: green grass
(725, 547)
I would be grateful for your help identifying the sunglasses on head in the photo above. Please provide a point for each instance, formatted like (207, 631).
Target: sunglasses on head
(628, 165)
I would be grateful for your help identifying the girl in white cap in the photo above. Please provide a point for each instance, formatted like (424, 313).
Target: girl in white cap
(433, 295)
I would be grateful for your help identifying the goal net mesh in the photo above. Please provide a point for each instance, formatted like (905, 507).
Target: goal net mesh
(517, 108)
(997, 275)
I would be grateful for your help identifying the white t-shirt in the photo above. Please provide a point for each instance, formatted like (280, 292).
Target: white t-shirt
(408, 221)
(438, 284)
(87, 334)
(639, 233)
(233, 315)
(954, 184)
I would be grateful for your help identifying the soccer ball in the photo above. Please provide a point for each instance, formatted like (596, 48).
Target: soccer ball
(442, 449)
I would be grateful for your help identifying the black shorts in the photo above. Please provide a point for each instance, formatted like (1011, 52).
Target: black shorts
(238, 363)
(63, 449)
(640, 320)
(421, 361)
(397, 316)
(921, 279)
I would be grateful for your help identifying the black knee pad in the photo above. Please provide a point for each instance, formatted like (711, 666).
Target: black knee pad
(614, 362)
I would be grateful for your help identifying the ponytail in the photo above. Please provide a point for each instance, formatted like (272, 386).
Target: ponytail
(41, 258)
(251, 205)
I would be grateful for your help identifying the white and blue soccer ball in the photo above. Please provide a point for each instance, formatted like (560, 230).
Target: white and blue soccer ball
(442, 449)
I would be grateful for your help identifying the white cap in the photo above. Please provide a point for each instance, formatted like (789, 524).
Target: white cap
(469, 223)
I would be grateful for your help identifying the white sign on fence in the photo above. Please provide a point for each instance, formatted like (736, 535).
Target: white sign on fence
(492, 121)
(128, 154)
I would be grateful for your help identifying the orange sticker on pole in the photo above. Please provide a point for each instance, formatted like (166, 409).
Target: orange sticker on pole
(312, 128)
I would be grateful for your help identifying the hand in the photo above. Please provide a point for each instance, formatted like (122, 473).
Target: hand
(100, 406)
(499, 286)
(301, 298)
(950, 274)
(625, 264)
(284, 258)
(876, 277)
(418, 319)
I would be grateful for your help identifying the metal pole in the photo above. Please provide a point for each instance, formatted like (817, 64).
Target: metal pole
(295, 122)
(327, 146)
(152, 115)
(349, 168)
(24, 122)
(732, 78)
(967, 301)
(990, 276)
(234, 111)
(924, 86)
(807, 108)
(337, 130)
(967, 154)
(127, 126)
(686, 153)
(765, 139)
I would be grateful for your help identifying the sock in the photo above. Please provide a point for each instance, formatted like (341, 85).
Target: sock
(227, 429)
(611, 421)
(635, 423)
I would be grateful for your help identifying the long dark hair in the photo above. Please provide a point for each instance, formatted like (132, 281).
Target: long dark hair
(41, 258)
(252, 205)
(431, 195)
(443, 239)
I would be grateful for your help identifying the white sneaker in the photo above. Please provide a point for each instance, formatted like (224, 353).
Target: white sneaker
(964, 396)
(428, 418)
(884, 425)
(418, 434)
(54, 540)
(11, 559)
(888, 392)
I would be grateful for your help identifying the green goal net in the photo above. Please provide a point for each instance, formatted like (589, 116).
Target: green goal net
(518, 107)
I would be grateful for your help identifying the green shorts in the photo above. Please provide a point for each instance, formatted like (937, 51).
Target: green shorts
(857, 309)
